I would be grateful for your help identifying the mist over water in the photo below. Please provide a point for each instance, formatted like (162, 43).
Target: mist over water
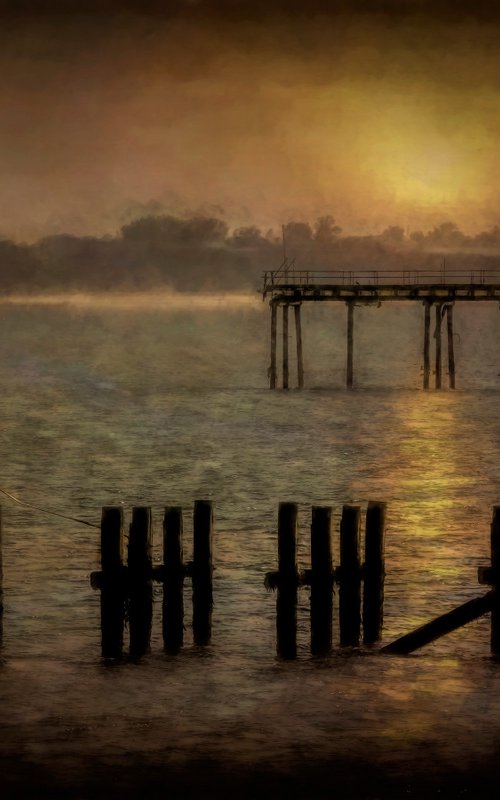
(103, 404)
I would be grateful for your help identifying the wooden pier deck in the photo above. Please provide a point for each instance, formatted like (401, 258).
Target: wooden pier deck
(288, 287)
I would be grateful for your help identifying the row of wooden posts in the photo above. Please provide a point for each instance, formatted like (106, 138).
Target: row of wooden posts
(441, 309)
(127, 590)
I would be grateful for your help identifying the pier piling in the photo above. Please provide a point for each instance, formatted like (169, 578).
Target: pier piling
(427, 327)
(274, 322)
(350, 577)
(439, 317)
(495, 569)
(373, 573)
(321, 580)
(285, 346)
(451, 348)
(286, 602)
(140, 581)
(173, 580)
(202, 571)
(112, 582)
(350, 345)
(298, 340)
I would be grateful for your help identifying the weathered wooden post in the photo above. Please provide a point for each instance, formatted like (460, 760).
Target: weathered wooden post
(451, 348)
(439, 316)
(173, 580)
(274, 321)
(350, 344)
(202, 571)
(140, 581)
(285, 346)
(286, 601)
(495, 569)
(427, 329)
(321, 580)
(112, 585)
(298, 339)
(373, 573)
(350, 577)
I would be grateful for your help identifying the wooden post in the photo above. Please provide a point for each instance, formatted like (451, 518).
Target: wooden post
(451, 348)
(298, 339)
(350, 344)
(173, 581)
(285, 346)
(321, 580)
(202, 571)
(274, 321)
(438, 344)
(112, 583)
(286, 602)
(140, 583)
(350, 577)
(427, 328)
(373, 573)
(495, 567)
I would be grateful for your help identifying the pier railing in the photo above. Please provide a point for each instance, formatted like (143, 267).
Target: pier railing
(274, 279)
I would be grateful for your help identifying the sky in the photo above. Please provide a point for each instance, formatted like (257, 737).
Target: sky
(378, 113)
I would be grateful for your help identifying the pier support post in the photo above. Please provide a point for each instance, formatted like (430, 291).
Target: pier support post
(272, 368)
(495, 567)
(202, 571)
(285, 346)
(298, 339)
(1, 568)
(427, 328)
(439, 317)
(451, 349)
(173, 580)
(350, 344)
(286, 602)
(373, 573)
(112, 583)
(321, 580)
(350, 577)
(140, 581)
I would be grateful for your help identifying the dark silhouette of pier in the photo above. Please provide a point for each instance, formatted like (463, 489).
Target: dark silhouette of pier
(290, 288)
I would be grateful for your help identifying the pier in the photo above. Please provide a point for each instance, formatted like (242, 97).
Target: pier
(436, 291)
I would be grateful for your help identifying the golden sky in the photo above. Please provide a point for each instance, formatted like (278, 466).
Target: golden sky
(377, 118)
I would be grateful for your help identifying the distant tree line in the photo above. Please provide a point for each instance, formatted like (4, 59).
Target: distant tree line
(202, 253)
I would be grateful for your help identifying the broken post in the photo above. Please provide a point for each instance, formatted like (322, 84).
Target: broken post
(173, 581)
(350, 577)
(442, 625)
(112, 582)
(373, 573)
(321, 580)
(286, 601)
(140, 581)
(202, 571)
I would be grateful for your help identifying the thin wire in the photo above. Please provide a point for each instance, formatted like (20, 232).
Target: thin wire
(46, 511)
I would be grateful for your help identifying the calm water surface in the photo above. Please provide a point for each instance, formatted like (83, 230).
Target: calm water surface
(103, 404)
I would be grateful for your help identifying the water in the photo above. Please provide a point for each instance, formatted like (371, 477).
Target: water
(105, 404)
